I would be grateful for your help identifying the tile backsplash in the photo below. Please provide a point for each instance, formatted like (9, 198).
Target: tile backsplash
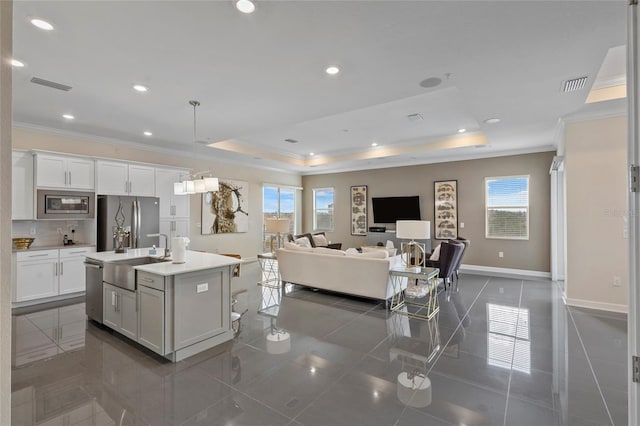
(51, 232)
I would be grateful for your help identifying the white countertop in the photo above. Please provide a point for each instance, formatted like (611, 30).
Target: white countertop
(194, 261)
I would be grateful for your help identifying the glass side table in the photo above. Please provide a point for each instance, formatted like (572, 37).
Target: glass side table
(270, 283)
(425, 291)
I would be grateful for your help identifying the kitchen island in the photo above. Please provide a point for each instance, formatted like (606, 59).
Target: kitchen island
(175, 310)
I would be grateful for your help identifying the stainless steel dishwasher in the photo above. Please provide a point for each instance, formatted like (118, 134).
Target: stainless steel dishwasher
(93, 305)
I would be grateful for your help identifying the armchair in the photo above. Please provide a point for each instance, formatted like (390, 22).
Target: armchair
(449, 261)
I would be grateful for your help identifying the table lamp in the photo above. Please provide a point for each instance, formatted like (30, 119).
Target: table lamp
(276, 226)
(413, 252)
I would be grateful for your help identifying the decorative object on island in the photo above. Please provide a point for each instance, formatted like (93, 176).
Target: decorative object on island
(446, 209)
(413, 252)
(22, 243)
(227, 210)
(120, 234)
(276, 226)
(359, 210)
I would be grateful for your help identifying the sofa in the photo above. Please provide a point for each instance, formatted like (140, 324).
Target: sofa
(314, 240)
(364, 275)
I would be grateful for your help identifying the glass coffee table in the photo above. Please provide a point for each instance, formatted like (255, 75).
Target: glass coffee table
(421, 293)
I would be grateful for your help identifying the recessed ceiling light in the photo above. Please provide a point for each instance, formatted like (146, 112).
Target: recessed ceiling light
(245, 6)
(148, 134)
(43, 25)
(462, 130)
(374, 144)
(140, 87)
(68, 116)
(332, 70)
(16, 63)
(312, 154)
(492, 120)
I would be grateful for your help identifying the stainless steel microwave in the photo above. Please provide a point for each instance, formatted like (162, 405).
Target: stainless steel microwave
(54, 204)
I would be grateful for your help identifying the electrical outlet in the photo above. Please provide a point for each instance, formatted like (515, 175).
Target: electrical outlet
(616, 281)
(461, 225)
(32, 231)
(500, 254)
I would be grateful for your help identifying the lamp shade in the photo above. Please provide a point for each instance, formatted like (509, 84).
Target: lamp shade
(413, 229)
(211, 184)
(199, 186)
(178, 188)
(189, 187)
(276, 225)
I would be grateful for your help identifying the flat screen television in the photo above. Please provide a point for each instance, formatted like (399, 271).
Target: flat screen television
(391, 209)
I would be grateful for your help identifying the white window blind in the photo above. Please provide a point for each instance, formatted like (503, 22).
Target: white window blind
(507, 207)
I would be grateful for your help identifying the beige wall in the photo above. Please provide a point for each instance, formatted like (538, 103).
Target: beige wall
(596, 202)
(418, 180)
(246, 244)
(6, 16)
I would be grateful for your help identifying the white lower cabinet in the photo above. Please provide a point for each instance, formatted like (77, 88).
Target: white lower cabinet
(119, 310)
(49, 273)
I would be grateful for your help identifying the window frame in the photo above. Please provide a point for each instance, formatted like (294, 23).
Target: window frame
(278, 189)
(486, 208)
(332, 211)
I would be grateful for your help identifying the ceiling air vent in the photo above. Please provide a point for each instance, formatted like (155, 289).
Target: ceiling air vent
(415, 117)
(291, 140)
(51, 84)
(574, 84)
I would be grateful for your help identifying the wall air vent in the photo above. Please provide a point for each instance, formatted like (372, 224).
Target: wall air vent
(291, 140)
(51, 84)
(574, 84)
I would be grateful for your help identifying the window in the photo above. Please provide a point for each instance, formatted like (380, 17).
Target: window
(323, 209)
(507, 207)
(279, 202)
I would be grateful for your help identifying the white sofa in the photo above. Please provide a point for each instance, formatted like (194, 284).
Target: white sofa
(333, 270)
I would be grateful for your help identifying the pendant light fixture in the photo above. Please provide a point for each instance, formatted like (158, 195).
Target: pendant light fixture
(198, 183)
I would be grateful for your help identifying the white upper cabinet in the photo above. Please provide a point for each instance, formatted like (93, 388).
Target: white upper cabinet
(62, 171)
(171, 206)
(119, 178)
(22, 185)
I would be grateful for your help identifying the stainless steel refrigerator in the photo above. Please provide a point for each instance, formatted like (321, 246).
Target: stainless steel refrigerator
(141, 217)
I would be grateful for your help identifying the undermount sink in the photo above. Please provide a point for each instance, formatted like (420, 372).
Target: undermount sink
(121, 273)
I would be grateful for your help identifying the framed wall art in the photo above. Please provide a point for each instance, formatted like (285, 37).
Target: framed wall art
(226, 210)
(446, 209)
(359, 210)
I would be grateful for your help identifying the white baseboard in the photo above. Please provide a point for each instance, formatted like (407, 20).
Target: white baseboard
(492, 270)
(601, 306)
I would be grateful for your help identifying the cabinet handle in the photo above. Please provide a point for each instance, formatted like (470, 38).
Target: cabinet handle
(114, 300)
(69, 178)
(77, 252)
(61, 268)
(55, 269)
(173, 210)
(37, 255)
(65, 177)
(147, 280)
(136, 296)
(60, 336)
(173, 225)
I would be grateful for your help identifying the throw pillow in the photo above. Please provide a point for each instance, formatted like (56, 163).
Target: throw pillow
(306, 249)
(303, 242)
(326, 250)
(291, 246)
(435, 256)
(320, 241)
(351, 251)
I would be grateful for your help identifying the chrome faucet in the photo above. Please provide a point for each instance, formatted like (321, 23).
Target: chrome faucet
(167, 252)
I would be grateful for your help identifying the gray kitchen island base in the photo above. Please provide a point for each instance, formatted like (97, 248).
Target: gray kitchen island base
(175, 310)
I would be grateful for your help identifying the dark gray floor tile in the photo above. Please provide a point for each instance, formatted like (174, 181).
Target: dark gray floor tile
(473, 370)
(356, 399)
(521, 413)
(412, 417)
(534, 387)
(237, 409)
(292, 387)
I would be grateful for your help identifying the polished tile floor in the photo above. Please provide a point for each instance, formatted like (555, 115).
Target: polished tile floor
(500, 352)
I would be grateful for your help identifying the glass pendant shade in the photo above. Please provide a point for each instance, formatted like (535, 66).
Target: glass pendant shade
(178, 188)
(199, 186)
(211, 184)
